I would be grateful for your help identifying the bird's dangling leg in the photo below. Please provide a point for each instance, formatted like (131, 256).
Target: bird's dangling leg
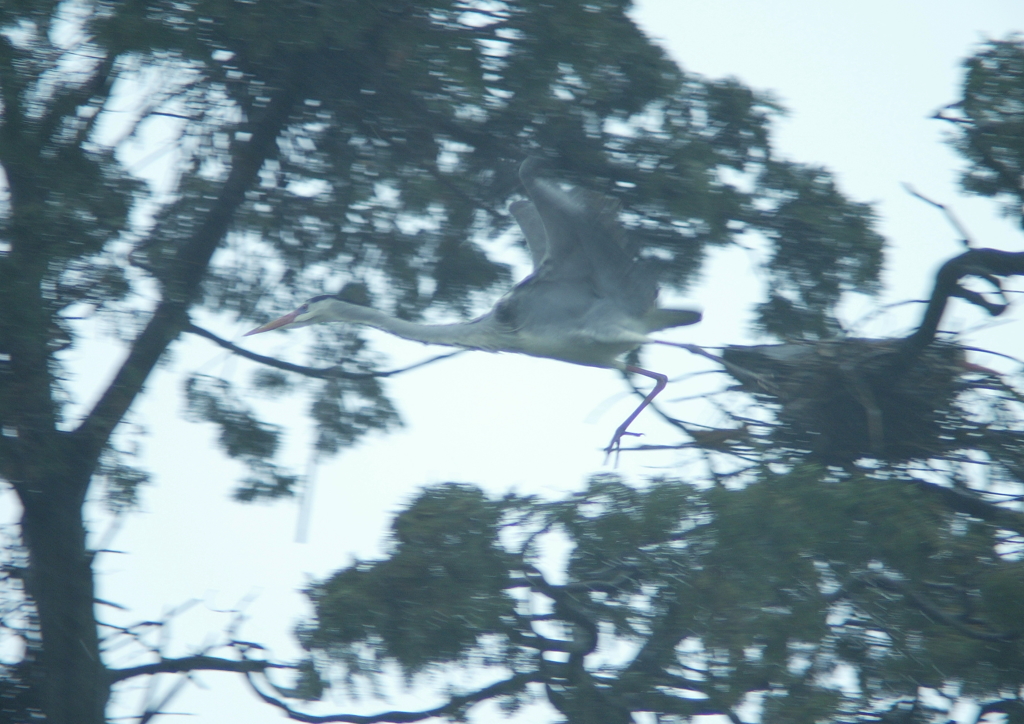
(660, 381)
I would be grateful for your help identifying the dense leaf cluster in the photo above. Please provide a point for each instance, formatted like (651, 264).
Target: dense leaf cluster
(811, 596)
(990, 124)
(442, 588)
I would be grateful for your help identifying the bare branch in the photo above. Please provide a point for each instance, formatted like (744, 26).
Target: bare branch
(168, 114)
(940, 116)
(192, 663)
(335, 371)
(950, 216)
(738, 372)
(985, 263)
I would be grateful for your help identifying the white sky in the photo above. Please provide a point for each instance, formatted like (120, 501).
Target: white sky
(860, 80)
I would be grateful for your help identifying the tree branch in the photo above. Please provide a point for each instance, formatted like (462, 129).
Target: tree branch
(540, 643)
(946, 211)
(192, 663)
(332, 372)
(452, 708)
(658, 652)
(740, 373)
(568, 608)
(183, 284)
(986, 263)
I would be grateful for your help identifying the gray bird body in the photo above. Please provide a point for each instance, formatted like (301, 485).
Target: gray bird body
(588, 301)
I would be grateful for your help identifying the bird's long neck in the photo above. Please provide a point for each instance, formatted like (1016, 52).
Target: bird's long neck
(477, 334)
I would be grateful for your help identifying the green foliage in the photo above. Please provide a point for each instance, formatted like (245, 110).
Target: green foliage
(241, 436)
(271, 382)
(823, 245)
(832, 596)
(786, 542)
(265, 481)
(308, 684)
(121, 480)
(1002, 590)
(990, 123)
(441, 589)
(344, 409)
(18, 692)
(430, 123)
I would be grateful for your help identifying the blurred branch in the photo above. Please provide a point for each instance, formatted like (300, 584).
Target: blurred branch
(192, 663)
(183, 284)
(568, 607)
(985, 263)
(940, 116)
(950, 216)
(735, 370)
(452, 709)
(659, 651)
(318, 372)
(539, 642)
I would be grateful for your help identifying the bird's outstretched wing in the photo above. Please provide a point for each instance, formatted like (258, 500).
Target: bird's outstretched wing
(587, 244)
(533, 229)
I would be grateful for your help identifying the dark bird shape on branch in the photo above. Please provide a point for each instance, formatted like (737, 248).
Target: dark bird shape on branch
(589, 300)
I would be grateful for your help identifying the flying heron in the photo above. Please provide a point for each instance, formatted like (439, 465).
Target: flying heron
(588, 301)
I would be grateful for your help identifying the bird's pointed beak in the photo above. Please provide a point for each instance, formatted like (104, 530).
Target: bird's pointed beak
(276, 324)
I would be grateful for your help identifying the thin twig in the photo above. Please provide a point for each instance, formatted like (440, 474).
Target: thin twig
(965, 238)
(335, 371)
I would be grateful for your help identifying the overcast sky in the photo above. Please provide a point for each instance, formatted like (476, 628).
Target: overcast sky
(859, 80)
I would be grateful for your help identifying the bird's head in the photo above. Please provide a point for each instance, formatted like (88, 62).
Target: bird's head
(313, 311)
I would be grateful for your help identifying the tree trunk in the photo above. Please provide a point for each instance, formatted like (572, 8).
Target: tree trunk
(59, 580)
(50, 469)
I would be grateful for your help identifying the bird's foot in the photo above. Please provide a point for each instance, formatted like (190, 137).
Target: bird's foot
(615, 446)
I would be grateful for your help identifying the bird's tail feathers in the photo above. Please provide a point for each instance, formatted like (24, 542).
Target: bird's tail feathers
(658, 318)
